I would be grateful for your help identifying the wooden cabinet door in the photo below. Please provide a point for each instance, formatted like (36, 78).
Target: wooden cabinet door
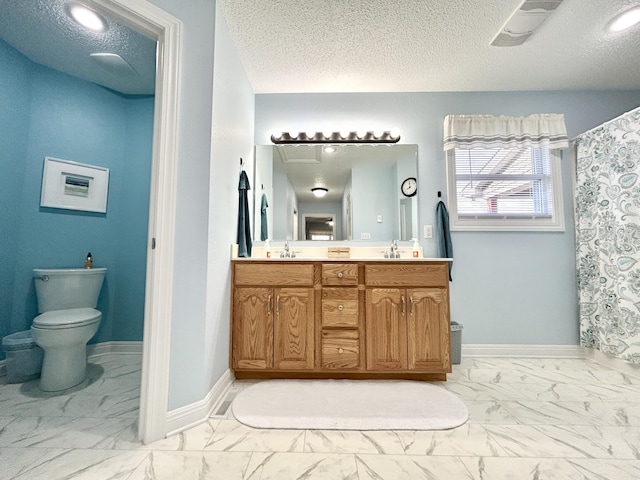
(386, 336)
(294, 328)
(428, 330)
(252, 345)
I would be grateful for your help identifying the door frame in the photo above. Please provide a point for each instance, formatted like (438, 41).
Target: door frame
(166, 30)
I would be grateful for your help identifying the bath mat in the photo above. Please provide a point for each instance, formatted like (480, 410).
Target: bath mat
(348, 405)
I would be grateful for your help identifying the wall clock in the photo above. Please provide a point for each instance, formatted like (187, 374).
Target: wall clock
(409, 187)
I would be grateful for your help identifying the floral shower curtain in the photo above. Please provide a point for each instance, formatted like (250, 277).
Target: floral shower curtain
(608, 236)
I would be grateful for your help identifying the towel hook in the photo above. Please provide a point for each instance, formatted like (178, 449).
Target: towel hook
(439, 194)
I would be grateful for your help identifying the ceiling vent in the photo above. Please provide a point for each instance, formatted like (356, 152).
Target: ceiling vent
(114, 63)
(524, 21)
(300, 154)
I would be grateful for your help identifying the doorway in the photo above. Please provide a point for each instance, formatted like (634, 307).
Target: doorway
(319, 226)
(166, 30)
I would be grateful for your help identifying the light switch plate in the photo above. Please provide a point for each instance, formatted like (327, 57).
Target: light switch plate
(428, 231)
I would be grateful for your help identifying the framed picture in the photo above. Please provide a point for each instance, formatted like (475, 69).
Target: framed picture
(74, 186)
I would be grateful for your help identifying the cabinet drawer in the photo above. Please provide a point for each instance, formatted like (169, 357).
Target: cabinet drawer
(271, 273)
(340, 349)
(339, 273)
(339, 307)
(407, 275)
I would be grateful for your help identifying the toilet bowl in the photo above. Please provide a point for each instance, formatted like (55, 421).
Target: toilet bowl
(66, 299)
(63, 335)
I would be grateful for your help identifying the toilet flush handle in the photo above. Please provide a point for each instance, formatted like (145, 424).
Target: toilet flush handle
(44, 278)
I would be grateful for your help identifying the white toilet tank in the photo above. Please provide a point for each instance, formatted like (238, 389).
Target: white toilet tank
(63, 288)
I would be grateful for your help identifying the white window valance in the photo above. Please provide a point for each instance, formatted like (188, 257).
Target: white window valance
(545, 130)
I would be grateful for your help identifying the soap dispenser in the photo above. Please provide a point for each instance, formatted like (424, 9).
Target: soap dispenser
(267, 249)
(88, 263)
(416, 248)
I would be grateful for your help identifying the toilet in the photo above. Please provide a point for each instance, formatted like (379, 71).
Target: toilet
(67, 300)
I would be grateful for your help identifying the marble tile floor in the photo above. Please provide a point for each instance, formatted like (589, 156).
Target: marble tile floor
(529, 419)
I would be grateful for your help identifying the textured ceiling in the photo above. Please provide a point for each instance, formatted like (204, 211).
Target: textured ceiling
(41, 30)
(360, 46)
(431, 46)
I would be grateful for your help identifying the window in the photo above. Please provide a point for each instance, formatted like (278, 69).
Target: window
(515, 188)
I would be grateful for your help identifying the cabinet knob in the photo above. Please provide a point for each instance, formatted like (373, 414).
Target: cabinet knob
(340, 350)
(340, 307)
(340, 275)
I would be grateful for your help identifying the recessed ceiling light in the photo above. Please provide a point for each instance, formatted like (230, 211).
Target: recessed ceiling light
(86, 17)
(625, 20)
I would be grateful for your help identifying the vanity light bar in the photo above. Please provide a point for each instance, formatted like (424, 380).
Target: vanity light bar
(392, 136)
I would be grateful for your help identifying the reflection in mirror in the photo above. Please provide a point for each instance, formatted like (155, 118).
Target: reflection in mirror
(319, 227)
(363, 200)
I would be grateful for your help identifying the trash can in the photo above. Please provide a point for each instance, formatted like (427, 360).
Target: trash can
(456, 343)
(24, 357)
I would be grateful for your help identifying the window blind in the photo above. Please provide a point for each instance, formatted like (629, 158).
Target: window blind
(503, 183)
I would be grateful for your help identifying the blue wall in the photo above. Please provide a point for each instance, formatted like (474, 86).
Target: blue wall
(63, 117)
(14, 121)
(508, 287)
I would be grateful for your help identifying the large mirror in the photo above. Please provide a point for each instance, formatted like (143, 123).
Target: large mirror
(362, 186)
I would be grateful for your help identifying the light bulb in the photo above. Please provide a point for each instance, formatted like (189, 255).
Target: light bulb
(86, 17)
(311, 134)
(361, 133)
(378, 133)
(293, 134)
(277, 134)
(344, 134)
(625, 20)
(395, 133)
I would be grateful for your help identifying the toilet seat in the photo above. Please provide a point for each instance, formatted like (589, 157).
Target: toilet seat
(71, 318)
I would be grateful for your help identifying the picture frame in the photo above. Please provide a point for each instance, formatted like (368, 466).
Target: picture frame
(74, 186)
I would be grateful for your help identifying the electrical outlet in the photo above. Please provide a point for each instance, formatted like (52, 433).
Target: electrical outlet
(428, 231)
(365, 236)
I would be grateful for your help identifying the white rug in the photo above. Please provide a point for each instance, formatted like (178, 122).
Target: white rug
(348, 405)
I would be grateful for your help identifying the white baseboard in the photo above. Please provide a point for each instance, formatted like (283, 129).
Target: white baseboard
(192, 415)
(516, 350)
(105, 348)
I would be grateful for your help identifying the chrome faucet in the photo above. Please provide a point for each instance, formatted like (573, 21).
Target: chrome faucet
(393, 250)
(286, 253)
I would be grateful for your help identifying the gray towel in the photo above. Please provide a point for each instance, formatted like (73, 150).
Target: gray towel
(264, 229)
(244, 228)
(445, 247)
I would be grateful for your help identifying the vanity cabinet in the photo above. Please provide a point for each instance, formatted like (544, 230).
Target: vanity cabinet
(252, 328)
(405, 329)
(408, 325)
(340, 319)
(271, 327)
